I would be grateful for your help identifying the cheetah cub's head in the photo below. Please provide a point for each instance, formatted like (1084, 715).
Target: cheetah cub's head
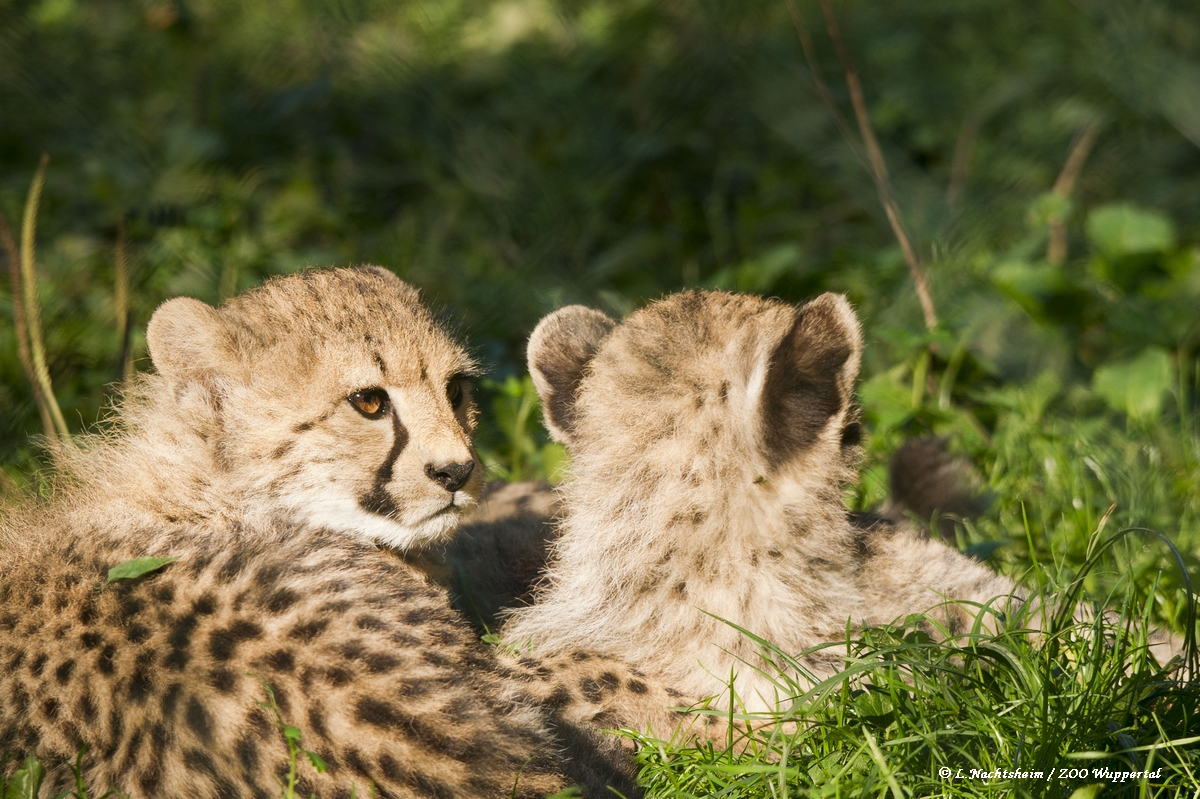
(328, 396)
(704, 392)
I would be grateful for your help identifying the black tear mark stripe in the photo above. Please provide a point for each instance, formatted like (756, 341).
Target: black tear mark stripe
(378, 500)
(379, 362)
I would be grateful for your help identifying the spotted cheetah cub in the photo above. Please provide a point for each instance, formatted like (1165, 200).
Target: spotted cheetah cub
(284, 438)
(711, 435)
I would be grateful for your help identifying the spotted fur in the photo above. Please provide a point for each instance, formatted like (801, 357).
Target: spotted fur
(711, 435)
(291, 448)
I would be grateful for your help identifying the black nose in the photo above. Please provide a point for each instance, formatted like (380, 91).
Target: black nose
(450, 476)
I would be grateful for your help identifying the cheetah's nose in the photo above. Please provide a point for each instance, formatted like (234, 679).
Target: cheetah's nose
(450, 476)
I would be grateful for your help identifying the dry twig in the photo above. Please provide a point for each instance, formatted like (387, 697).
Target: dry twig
(121, 300)
(33, 308)
(883, 184)
(22, 329)
(1056, 250)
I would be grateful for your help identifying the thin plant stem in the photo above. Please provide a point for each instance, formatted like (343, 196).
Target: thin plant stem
(1056, 250)
(121, 299)
(33, 313)
(22, 329)
(883, 184)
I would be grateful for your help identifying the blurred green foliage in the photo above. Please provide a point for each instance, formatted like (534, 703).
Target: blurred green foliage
(511, 157)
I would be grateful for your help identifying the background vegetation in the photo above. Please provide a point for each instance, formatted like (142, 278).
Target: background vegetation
(511, 157)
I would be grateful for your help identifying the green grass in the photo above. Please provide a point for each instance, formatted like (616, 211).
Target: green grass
(1043, 716)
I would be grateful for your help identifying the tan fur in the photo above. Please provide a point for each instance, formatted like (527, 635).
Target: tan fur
(711, 435)
(243, 458)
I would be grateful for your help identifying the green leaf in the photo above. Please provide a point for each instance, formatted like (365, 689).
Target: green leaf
(316, 761)
(25, 782)
(292, 733)
(1127, 230)
(887, 403)
(138, 567)
(1136, 386)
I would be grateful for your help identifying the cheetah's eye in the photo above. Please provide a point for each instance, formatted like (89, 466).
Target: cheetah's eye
(455, 392)
(371, 403)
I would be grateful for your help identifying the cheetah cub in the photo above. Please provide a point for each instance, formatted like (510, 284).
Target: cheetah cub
(284, 438)
(711, 435)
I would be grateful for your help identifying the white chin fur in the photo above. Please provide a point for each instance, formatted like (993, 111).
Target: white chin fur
(346, 516)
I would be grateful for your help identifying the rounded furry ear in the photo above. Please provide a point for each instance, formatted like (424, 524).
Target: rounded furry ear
(559, 350)
(811, 375)
(186, 339)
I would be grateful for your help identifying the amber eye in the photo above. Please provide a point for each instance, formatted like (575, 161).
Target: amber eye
(455, 392)
(371, 403)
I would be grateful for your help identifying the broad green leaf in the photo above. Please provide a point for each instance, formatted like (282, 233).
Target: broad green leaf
(292, 733)
(885, 401)
(25, 782)
(1136, 386)
(1127, 230)
(138, 567)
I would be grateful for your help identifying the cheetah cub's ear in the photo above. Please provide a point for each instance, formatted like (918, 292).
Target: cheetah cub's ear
(558, 353)
(809, 378)
(188, 342)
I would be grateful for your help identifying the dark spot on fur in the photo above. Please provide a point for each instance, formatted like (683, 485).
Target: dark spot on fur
(355, 761)
(379, 663)
(316, 721)
(558, 699)
(223, 680)
(280, 660)
(136, 633)
(130, 605)
(637, 686)
(206, 605)
(171, 699)
(105, 661)
(282, 450)
(140, 685)
(87, 613)
(590, 689)
(247, 755)
(164, 593)
(609, 681)
(379, 362)
(279, 601)
(86, 708)
(304, 427)
(679, 589)
(338, 676)
(149, 780)
(223, 641)
(198, 719)
(579, 657)
(63, 672)
(369, 623)
(389, 766)
(774, 553)
(231, 568)
(50, 709)
(306, 631)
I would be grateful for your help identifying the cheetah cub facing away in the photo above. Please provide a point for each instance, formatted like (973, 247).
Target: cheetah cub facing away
(711, 435)
(283, 438)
